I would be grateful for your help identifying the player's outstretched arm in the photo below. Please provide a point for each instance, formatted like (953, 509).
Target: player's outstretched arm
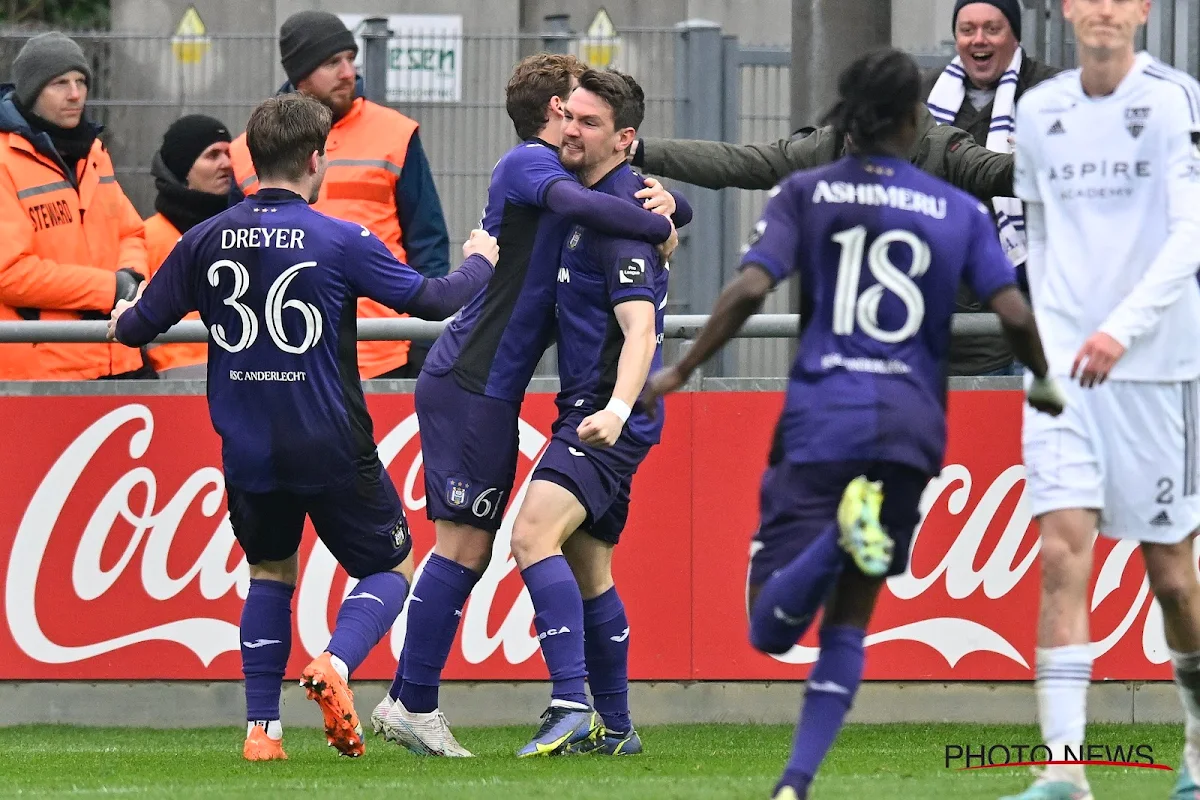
(439, 298)
(636, 318)
(740, 298)
(1020, 329)
(372, 271)
(159, 304)
(606, 214)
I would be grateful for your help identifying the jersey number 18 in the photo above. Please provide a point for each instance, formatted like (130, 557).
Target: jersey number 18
(850, 306)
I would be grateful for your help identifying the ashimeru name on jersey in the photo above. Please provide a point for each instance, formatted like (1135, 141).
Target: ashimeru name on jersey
(874, 194)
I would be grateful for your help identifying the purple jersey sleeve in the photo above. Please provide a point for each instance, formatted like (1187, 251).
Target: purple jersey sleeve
(607, 214)
(537, 168)
(168, 297)
(683, 211)
(775, 239)
(372, 271)
(987, 269)
(629, 272)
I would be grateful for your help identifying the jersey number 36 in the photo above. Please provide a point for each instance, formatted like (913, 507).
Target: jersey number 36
(273, 312)
(849, 306)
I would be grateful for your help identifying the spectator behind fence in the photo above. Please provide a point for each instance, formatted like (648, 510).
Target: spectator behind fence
(71, 243)
(193, 174)
(978, 92)
(378, 175)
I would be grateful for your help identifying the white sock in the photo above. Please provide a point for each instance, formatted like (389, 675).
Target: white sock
(340, 667)
(568, 704)
(273, 728)
(1187, 679)
(1063, 676)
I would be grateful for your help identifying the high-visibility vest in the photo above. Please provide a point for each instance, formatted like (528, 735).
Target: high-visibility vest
(364, 155)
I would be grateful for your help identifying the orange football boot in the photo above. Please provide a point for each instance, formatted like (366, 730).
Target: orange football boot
(331, 693)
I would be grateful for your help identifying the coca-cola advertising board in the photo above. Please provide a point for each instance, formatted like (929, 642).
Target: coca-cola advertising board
(119, 561)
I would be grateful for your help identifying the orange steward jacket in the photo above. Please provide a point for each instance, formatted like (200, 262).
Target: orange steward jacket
(62, 239)
(161, 237)
(366, 155)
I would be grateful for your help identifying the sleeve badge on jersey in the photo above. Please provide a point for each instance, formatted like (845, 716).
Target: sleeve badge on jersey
(400, 532)
(756, 235)
(633, 272)
(456, 492)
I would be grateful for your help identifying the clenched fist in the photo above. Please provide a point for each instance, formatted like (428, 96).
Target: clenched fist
(484, 244)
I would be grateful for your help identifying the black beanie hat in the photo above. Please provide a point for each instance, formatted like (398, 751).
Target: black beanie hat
(187, 138)
(1011, 9)
(308, 38)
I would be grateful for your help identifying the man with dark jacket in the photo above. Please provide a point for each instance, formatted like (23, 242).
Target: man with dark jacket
(193, 174)
(946, 152)
(978, 93)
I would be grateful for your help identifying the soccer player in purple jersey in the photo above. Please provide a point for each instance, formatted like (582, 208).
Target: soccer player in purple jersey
(470, 389)
(611, 295)
(277, 284)
(881, 249)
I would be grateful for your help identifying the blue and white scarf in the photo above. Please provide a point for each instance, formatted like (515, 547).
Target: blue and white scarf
(944, 102)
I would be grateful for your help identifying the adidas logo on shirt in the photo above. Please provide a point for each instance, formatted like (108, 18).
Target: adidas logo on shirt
(1057, 127)
(1161, 520)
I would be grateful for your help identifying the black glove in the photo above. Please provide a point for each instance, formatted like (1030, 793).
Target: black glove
(128, 281)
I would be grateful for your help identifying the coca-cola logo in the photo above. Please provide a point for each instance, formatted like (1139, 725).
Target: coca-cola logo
(956, 636)
(155, 525)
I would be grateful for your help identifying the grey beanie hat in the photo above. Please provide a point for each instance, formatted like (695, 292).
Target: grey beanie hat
(41, 60)
(308, 38)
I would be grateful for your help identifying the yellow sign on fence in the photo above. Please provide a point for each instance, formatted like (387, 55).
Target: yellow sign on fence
(190, 42)
(598, 47)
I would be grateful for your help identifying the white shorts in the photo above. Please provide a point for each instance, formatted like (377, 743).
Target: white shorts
(1127, 449)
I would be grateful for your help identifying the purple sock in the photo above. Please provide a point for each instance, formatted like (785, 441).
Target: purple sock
(433, 616)
(558, 619)
(832, 686)
(790, 598)
(266, 632)
(366, 615)
(398, 680)
(606, 653)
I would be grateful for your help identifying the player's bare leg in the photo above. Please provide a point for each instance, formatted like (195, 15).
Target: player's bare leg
(410, 714)
(1064, 657)
(360, 626)
(1171, 570)
(605, 645)
(548, 516)
(266, 637)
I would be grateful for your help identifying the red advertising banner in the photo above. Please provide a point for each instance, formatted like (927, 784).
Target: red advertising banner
(119, 562)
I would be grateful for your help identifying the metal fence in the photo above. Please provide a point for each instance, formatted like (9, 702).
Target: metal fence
(699, 83)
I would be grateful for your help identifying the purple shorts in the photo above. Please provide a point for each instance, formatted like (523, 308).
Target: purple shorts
(363, 525)
(599, 477)
(469, 448)
(799, 501)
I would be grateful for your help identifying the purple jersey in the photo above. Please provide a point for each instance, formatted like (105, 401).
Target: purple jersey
(495, 344)
(597, 274)
(881, 249)
(277, 285)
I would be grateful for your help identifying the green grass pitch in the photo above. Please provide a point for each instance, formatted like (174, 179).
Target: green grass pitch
(892, 762)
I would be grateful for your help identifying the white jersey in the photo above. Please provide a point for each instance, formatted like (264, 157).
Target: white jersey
(1112, 186)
